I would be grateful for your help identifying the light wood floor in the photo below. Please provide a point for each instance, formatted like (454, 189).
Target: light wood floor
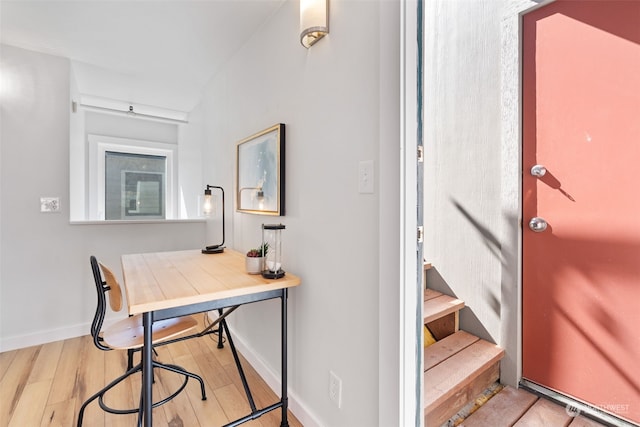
(46, 385)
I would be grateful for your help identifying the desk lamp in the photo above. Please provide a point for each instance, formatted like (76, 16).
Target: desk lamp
(207, 210)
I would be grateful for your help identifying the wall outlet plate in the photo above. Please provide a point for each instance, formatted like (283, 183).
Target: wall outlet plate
(49, 204)
(335, 389)
(365, 177)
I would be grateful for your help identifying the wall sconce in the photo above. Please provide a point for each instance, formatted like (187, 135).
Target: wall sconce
(257, 194)
(208, 208)
(314, 21)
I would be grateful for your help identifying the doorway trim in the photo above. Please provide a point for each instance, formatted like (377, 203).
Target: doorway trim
(511, 188)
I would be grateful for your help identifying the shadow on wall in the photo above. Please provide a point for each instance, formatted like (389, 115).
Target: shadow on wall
(470, 321)
(505, 254)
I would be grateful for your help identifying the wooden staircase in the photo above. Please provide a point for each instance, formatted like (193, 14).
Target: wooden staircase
(459, 366)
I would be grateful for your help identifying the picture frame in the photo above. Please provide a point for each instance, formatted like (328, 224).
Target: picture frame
(260, 166)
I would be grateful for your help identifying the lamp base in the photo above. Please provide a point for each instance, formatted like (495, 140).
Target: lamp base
(273, 274)
(217, 250)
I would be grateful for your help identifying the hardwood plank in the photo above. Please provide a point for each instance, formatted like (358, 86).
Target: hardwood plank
(503, 410)
(447, 347)
(46, 364)
(15, 380)
(209, 412)
(234, 404)
(89, 372)
(209, 367)
(178, 411)
(544, 413)
(64, 386)
(122, 396)
(5, 360)
(457, 371)
(262, 394)
(28, 411)
(61, 414)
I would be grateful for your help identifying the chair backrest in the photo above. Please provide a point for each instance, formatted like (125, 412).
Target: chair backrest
(115, 298)
(115, 292)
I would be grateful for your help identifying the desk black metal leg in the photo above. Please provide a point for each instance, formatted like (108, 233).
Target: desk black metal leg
(243, 377)
(285, 399)
(147, 370)
(220, 344)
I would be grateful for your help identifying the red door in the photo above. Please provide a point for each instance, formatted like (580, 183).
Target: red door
(581, 275)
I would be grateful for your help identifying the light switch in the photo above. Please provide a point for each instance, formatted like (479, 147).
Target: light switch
(365, 177)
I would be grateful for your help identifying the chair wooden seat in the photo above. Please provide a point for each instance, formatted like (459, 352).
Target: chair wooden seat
(129, 334)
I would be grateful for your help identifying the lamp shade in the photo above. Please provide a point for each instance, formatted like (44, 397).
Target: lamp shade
(314, 21)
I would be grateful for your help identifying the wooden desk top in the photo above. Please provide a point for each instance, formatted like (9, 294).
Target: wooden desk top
(160, 280)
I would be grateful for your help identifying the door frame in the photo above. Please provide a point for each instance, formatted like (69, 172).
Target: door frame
(411, 194)
(511, 188)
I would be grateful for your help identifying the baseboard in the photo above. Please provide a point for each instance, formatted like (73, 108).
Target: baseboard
(47, 336)
(297, 407)
(43, 337)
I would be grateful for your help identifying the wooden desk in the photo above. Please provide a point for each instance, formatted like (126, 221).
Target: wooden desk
(162, 285)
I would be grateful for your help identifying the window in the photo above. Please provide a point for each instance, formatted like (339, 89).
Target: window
(134, 186)
(131, 179)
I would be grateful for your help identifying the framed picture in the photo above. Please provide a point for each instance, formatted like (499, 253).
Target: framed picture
(260, 172)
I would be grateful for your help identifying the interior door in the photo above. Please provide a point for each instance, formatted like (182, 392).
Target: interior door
(581, 274)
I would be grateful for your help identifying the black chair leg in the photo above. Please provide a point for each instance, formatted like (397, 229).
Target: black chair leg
(130, 358)
(101, 393)
(172, 368)
(182, 371)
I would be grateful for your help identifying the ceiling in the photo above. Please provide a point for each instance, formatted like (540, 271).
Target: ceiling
(158, 53)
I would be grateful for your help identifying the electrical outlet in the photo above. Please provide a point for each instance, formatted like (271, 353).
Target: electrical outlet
(335, 389)
(49, 204)
(365, 177)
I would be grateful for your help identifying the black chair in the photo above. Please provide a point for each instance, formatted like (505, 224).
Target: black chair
(128, 335)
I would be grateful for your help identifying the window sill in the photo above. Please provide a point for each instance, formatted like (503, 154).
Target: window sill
(150, 221)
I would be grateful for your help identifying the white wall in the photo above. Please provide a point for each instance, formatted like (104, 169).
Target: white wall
(462, 150)
(46, 287)
(335, 106)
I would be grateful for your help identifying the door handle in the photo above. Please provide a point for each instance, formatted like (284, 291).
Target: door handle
(538, 171)
(537, 224)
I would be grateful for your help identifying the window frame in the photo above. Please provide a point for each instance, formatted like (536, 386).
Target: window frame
(100, 144)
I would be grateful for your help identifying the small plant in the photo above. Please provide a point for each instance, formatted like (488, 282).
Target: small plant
(258, 252)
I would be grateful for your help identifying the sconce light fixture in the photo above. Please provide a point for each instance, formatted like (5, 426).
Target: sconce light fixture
(207, 210)
(314, 21)
(257, 194)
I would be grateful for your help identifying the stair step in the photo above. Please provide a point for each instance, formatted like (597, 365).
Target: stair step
(457, 379)
(437, 305)
(441, 350)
